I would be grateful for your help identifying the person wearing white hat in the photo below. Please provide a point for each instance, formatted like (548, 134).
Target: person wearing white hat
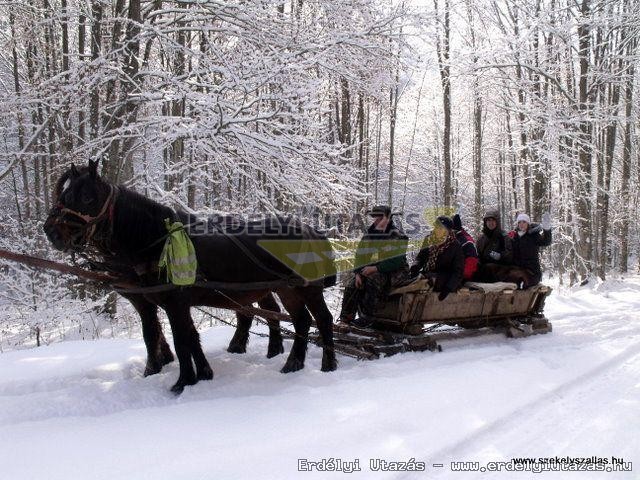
(527, 239)
(523, 217)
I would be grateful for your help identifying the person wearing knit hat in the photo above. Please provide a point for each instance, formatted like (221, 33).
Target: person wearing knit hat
(446, 222)
(441, 259)
(527, 239)
(495, 250)
(523, 217)
(494, 245)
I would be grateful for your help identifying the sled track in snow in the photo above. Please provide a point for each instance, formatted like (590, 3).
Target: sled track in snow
(537, 404)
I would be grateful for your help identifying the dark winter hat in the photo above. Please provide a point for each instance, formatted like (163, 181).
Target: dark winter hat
(380, 210)
(492, 213)
(446, 222)
(457, 222)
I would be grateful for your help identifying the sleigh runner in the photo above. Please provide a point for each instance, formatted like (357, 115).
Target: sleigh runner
(413, 319)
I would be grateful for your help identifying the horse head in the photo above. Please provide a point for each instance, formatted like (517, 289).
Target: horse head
(82, 201)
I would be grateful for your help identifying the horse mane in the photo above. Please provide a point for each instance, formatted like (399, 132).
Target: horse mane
(139, 220)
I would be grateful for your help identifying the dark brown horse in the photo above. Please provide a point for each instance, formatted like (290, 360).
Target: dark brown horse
(126, 230)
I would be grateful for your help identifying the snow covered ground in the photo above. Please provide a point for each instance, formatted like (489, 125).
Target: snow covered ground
(81, 410)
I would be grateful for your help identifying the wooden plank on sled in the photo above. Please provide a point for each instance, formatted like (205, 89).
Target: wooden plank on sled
(465, 305)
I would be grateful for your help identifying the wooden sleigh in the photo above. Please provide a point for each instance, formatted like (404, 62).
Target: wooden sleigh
(413, 319)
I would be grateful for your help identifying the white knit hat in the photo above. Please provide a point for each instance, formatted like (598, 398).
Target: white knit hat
(523, 217)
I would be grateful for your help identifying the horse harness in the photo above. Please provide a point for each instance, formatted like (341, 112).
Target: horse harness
(90, 223)
(89, 227)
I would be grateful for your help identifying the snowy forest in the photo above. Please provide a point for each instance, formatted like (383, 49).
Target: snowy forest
(332, 106)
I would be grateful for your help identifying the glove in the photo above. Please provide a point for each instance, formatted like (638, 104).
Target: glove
(495, 255)
(546, 221)
(443, 293)
(414, 271)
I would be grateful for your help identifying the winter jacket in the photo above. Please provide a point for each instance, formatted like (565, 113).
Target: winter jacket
(394, 237)
(495, 240)
(449, 269)
(470, 253)
(468, 245)
(526, 248)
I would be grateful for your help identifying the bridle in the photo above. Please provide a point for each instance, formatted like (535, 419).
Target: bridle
(90, 223)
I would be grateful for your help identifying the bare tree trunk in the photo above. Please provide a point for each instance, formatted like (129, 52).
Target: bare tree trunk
(477, 153)
(537, 167)
(443, 51)
(378, 144)
(361, 137)
(393, 111)
(345, 114)
(178, 105)
(477, 121)
(524, 161)
(81, 45)
(64, 129)
(413, 138)
(94, 107)
(584, 146)
(16, 86)
(367, 150)
(610, 145)
(514, 167)
(360, 127)
(626, 161)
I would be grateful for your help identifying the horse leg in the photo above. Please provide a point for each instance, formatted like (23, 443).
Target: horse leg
(203, 369)
(166, 356)
(187, 344)
(238, 343)
(294, 304)
(276, 346)
(158, 351)
(314, 299)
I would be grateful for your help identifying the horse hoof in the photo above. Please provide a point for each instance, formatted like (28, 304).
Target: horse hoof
(152, 369)
(235, 348)
(177, 389)
(292, 365)
(329, 364)
(205, 374)
(275, 350)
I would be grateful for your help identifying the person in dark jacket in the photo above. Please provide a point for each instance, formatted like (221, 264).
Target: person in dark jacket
(469, 250)
(495, 252)
(443, 263)
(379, 266)
(494, 245)
(527, 240)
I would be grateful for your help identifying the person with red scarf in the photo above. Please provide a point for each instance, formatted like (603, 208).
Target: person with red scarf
(441, 263)
(469, 249)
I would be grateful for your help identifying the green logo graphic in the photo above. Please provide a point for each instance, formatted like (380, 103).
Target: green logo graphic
(316, 259)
